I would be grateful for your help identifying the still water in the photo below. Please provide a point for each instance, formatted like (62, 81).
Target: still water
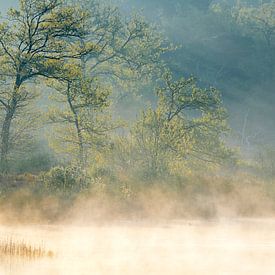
(240, 246)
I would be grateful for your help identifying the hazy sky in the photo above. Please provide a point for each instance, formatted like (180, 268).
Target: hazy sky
(4, 4)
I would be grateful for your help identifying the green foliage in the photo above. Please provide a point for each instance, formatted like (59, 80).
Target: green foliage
(187, 125)
(35, 41)
(89, 52)
(258, 18)
(123, 52)
(32, 39)
(81, 121)
(128, 48)
(90, 57)
(64, 181)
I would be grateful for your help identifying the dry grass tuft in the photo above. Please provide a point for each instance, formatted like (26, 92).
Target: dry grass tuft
(21, 249)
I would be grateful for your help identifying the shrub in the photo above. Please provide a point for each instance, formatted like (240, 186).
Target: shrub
(64, 180)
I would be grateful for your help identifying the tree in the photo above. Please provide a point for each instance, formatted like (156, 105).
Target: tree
(125, 48)
(187, 124)
(123, 52)
(34, 42)
(80, 113)
(259, 19)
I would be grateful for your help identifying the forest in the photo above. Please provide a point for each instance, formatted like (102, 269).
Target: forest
(136, 109)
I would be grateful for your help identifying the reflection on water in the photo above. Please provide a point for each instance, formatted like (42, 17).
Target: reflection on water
(235, 247)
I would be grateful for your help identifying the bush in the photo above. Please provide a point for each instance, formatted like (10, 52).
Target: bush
(64, 180)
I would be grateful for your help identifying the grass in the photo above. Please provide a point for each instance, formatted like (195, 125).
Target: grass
(12, 248)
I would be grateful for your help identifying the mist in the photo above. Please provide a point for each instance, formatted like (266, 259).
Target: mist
(192, 248)
(219, 52)
(137, 137)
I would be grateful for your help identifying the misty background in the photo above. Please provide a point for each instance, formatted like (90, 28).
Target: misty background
(222, 54)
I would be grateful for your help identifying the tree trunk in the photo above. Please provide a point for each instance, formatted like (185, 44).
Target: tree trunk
(5, 132)
(78, 130)
(5, 140)
(80, 141)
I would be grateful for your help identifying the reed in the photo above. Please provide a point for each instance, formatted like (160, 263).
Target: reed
(22, 249)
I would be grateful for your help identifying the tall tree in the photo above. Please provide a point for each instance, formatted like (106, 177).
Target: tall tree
(79, 114)
(124, 50)
(34, 41)
(187, 123)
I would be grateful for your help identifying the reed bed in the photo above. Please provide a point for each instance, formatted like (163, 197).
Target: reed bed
(21, 249)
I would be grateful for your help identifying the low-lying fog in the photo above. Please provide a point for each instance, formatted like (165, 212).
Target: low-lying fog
(240, 246)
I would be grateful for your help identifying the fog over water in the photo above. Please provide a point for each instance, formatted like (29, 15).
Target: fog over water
(241, 246)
